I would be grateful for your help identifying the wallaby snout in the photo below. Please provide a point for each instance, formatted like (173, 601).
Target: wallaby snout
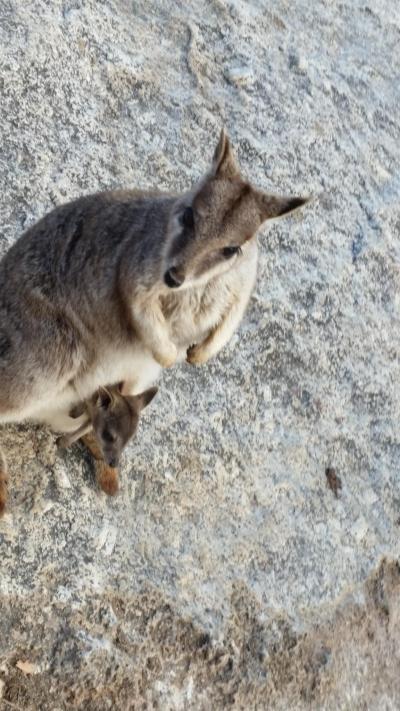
(174, 277)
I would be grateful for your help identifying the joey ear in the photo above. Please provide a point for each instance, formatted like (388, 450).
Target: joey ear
(276, 206)
(224, 164)
(103, 398)
(141, 401)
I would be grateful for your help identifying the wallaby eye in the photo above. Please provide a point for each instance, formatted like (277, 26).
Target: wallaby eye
(229, 252)
(188, 218)
(108, 436)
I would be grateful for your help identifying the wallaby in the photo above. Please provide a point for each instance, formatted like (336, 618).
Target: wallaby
(114, 419)
(111, 287)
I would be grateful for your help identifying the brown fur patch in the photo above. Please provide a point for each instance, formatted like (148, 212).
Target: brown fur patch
(3, 483)
(3, 499)
(107, 478)
(3, 493)
(93, 446)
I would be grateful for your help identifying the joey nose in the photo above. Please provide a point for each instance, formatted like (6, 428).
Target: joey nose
(112, 462)
(174, 277)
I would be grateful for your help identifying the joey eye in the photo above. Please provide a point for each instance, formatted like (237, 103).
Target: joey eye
(229, 252)
(187, 218)
(108, 436)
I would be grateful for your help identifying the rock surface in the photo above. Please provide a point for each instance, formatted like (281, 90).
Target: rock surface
(226, 573)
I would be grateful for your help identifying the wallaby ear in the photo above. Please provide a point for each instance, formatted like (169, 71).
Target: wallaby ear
(141, 401)
(275, 206)
(103, 398)
(224, 164)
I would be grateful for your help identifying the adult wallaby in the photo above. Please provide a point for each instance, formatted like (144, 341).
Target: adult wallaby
(113, 286)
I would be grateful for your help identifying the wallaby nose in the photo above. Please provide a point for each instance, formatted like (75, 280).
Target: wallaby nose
(112, 462)
(174, 277)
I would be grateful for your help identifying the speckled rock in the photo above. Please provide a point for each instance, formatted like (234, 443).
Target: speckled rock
(226, 573)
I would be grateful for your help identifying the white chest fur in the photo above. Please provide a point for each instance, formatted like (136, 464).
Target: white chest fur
(190, 314)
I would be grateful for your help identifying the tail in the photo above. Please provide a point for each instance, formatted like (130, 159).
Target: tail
(3, 482)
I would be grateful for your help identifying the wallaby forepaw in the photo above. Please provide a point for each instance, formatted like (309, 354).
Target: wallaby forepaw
(166, 357)
(107, 478)
(197, 355)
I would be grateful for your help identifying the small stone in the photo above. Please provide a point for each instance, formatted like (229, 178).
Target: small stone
(297, 63)
(359, 529)
(27, 667)
(239, 75)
